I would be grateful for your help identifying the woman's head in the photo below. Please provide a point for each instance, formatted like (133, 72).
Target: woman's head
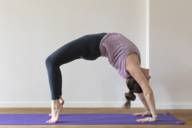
(133, 87)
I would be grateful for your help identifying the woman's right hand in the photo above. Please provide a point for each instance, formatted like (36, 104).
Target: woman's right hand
(145, 113)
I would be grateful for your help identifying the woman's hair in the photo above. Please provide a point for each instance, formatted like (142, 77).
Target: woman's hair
(133, 87)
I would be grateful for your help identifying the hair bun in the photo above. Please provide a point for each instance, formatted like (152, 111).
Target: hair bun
(130, 96)
(133, 86)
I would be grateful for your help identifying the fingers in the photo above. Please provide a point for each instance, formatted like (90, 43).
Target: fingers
(51, 121)
(138, 114)
(147, 119)
(146, 113)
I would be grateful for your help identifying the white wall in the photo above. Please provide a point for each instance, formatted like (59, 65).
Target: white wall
(170, 52)
(30, 30)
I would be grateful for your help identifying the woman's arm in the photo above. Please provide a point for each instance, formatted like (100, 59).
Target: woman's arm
(140, 95)
(147, 110)
(133, 67)
(147, 91)
(142, 98)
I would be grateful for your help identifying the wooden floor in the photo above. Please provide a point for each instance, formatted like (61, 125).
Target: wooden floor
(185, 115)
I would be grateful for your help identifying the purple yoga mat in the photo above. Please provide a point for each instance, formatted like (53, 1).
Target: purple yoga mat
(85, 119)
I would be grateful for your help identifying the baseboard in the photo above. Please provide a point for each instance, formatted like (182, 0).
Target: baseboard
(174, 106)
(67, 104)
(91, 104)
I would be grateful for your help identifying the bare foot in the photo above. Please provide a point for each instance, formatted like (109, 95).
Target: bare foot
(56, 108)
(61, 100)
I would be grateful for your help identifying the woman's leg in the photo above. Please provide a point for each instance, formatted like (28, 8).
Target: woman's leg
(65, 54)
(86, 47)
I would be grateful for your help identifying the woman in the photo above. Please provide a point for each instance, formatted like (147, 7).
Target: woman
(122, 55)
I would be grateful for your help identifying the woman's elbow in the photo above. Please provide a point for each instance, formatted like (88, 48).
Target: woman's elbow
(148, 92)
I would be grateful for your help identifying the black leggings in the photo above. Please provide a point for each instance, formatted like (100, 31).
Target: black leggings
(86, 47)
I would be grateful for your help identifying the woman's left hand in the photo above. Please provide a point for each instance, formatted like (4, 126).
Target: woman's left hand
(146, 119)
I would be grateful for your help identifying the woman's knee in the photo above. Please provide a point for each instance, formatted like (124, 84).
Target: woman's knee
(50, 61)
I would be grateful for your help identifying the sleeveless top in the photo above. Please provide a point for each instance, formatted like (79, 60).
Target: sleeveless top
(116, 47)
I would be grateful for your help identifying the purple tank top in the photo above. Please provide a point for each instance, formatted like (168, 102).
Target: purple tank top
(116, 48)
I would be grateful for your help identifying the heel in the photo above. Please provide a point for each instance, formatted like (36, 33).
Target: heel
(61, 100)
